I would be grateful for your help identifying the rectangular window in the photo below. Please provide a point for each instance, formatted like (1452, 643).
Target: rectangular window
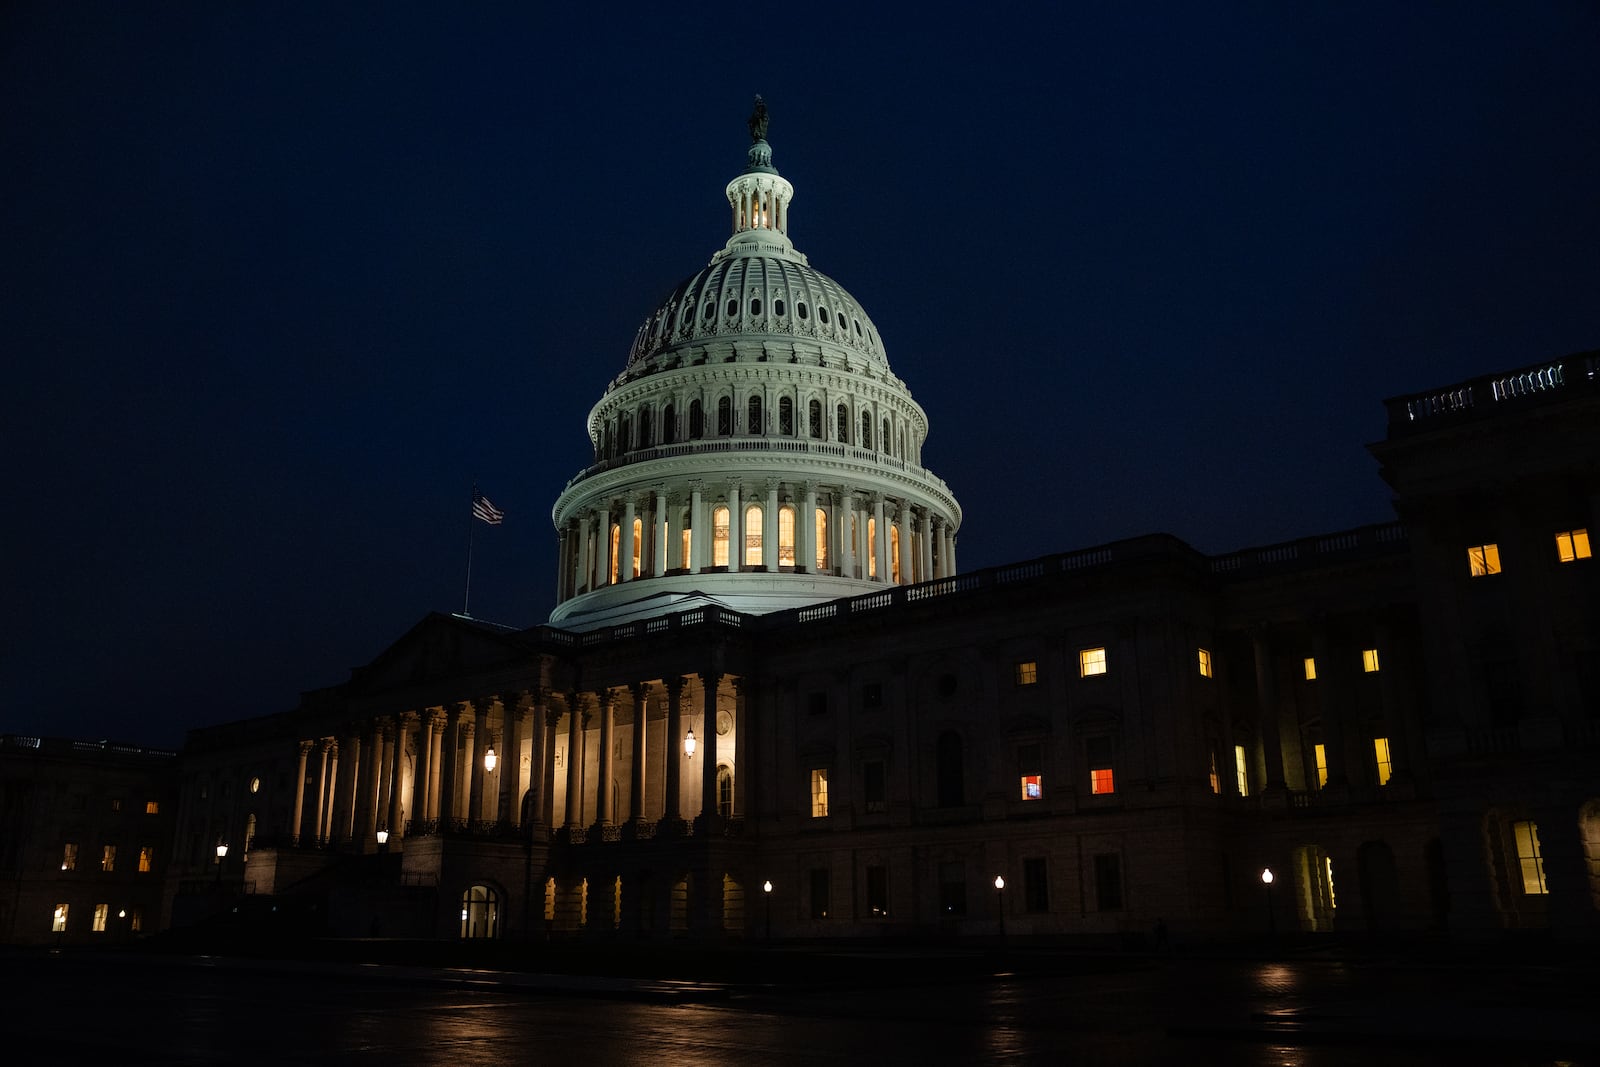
(1483, 560)
(1030, 764)
(100, 911)
(953, 888)
(1032, 787)
(1572, 545)
(1216, 785)
(59, 923)
(1369, 660)
(819, 892)
(69, 857)
(873, 786)
(878, 892)
(1380, 751)
(108, 858)
(1529, 857)
(152, 807)
(134, 921)
(1205, 663)
(147, 858)
(1027, 673)
(1102, 777)
(1108, 882)
(1035, 884)
(819, 792)
(1241, 770)
(1322, 764)
(1311, 668)
(1091, 661)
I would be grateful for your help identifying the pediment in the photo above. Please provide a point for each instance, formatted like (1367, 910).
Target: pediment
(439, 649)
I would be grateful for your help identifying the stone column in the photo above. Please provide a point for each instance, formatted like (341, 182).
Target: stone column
(806, 532)
(735, 530)
(673, 801)
(842, 537)
(641, 718)
(512, 713)
(449, 794)
(908, 555)
(585, 555)
(699, 529)
(658, 558)
(422, 779)
(438, 721)
(547, 776)
(1267, 712)
(741, 744)
(602, 549)
(385, 778)
(575, 726)
(880, 539)
(604, 770)
(371, 770)
(625, 546)
(471, 797)
(300, 792)
(769, 528)
(404, 723)
(322, 790)
(353, 767)
(708, 750)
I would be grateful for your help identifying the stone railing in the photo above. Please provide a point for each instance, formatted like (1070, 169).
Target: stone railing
(1479, 397)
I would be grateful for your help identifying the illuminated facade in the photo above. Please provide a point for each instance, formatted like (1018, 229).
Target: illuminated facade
(768, 702)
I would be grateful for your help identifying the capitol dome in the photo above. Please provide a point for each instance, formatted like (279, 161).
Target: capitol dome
(756, 451)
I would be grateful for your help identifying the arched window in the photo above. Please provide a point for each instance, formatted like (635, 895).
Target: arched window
(822, 541)
(616, 545)
(624, 434)
(786, 536)
(638, 544)
(949, 770)
(646, 438)
(814, 426)
(480, 912)
(866, 429)
(843, 423)
(725, 417)
(669, 424)
(725, 791)
(885, 439)
(752, 536)
(786, 416)
(872, 548)
(686, 561)
(719, 536)
(894, 553)
(753, 423)
(697, 421)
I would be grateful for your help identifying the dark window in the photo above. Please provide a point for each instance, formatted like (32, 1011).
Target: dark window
(817, 703)
(885, 437)
(872, 696)
(669, 424)
(753, 421)
(725, 792)
(1035, 884)
(711, 310)
(815, 412)
(866, 429)
(1108, 881)
(949, 769)
(733, 308)
(646, 437)
(800, 309)
(878, 891)
(777, 308)
(819, 892)
(755, 305)
(725, 417)
(697, 421)
(952, 888)
(843, 422)
(786, 417)
(822, 313)
(624, 433)
(872, 785)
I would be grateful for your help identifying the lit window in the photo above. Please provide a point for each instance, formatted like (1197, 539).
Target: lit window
(822, 540)
(616, 541)
(638, 544)
(1369, 660)
(819, 792)
(1091, 661)
(59, 923)
(1027, 673)
(1380, 750)
(100, 913)
(872, 548)
(1332, 903)
(894, 554)
(1205, 663)
(1529, 856)
(1216, 786)
(69, 857)
(1311, 669)
(1032, 787)
(152, 807)
(1102, 777)
(752, 536)
(1322, 765)
(1241, 770)
(1572, 545)
(108, 858)
(116, 803)
(786, 536)
(147, 856)
(135, 920)
(719, 537)
(1483, 559)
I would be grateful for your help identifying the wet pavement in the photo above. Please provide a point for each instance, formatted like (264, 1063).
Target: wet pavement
(135, 1009)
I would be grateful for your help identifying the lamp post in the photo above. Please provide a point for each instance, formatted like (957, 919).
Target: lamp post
(1267, 879)
(766, 894)
(222, 854)
(1000, 902)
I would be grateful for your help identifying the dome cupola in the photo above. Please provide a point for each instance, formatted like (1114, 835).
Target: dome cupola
(756, 451)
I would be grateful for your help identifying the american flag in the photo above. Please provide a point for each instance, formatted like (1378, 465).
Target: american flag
(482, 509)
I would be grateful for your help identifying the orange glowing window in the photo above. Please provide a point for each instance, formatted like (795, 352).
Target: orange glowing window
(1032, 787)
(1572, 545)
(1102, 781)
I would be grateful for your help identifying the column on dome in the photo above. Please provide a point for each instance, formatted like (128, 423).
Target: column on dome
(672, 804)
(769, 528)
(513, 712)
(925, 553)
(604, 769)
(662, 546)
(907, 557)
(708, 746)
(699, 529)
(627, 547)
(880, 539)
(735, 529)
(600, 556)
(585, 555)
(641, 718)
(844, 513)
(805, 558)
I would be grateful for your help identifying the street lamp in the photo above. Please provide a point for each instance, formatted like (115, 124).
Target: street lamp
(1000, 901)
(689, 743)
(766, 894)
(222, 853)
(1267, 879)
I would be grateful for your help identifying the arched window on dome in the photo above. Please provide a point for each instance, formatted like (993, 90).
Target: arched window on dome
(843, 423)
(697, 421)
(814, 419)
(822, 540)
(871, 548)
(786, 536)
(725, 417)
(786, 416)
(616, 545)
(624, 434)
(894, 553)
(866, 429)
(686, 546)
(752, 536)
(646, 434)
(886, 438)
(638, 544)
(669, 424)
(710, 311)
(753, 424)
(719, 536)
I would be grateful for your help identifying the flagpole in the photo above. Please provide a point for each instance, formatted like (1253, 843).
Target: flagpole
(466, 599)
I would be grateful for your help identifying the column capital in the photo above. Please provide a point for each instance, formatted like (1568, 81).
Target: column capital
(552, 718)
(639, 690)
(675, 686)
(481, 706)
(696, 485)
(306, 747)
(771, 484)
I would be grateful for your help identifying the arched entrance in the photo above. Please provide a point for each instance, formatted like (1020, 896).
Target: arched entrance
(480, 912)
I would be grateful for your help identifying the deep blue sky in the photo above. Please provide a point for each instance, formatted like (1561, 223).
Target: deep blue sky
(278, 281)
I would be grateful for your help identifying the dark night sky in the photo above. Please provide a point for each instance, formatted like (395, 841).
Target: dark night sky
(278, 281)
